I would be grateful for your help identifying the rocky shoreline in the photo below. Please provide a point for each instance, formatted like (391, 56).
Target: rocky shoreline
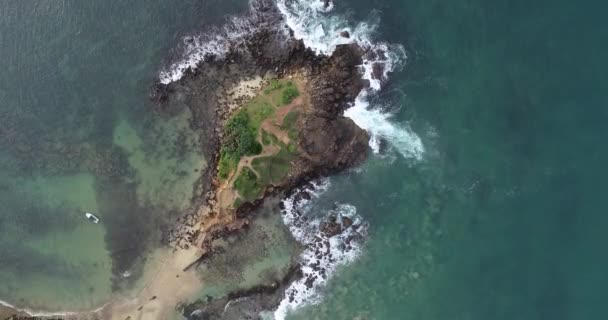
(328, 142)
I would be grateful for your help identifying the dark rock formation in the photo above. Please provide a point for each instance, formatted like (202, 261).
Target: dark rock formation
(242, 304)
(328, 142)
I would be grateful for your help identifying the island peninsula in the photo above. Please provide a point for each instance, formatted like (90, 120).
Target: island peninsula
(271, 114)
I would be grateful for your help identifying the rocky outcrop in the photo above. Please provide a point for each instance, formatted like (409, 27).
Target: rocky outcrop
(330, 141)
(327, 141)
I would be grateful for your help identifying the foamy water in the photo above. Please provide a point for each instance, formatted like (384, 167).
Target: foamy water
(216, 41)
(380, 126)
(323, 254)
(320, 30)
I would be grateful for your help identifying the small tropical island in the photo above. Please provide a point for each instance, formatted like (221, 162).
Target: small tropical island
(271, 115)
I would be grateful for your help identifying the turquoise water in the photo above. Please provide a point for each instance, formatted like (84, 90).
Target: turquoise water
(77, 134)
(502, 218)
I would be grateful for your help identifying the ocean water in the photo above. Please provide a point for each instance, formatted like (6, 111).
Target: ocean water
(484, 199)
(502, 215)
(78, 134)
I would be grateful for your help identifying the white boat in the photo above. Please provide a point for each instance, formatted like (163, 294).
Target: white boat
(91, 217)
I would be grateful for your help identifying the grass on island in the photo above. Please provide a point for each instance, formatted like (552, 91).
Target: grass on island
(289, 94)
(273, 169)
(268, 138)
(289, 124)
(243, 136)
(247, 185)
(240, 139)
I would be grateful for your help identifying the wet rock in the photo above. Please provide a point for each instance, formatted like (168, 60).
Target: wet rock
(330, 228)
(345, 34)
(378, 71)
(347, 222)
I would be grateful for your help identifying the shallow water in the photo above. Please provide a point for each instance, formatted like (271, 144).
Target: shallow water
(78, 134)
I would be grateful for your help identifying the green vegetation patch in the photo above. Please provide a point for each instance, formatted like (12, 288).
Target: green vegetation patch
(290, 120)
(239, 140)
(258, 109)
(274, 85)
(237, 202)
(289, 93)
(273, 169)
(268, 138)
(241, 131)
(248, 185)
(289, 124)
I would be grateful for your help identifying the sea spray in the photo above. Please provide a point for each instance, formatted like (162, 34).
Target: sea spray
(379, 125)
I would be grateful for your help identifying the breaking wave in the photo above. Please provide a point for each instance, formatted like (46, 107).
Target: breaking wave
(379, 125)
(312, 22)
(331, 240)
(322, 32)
(216, 41)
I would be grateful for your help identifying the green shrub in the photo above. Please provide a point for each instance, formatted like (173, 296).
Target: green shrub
(247, 184)
(289, 94)
(292, 148)
(239, 137)
(226, 164)
(239, 140)
(275, 84)
(290, 120)
(259, 110)
(237, 202)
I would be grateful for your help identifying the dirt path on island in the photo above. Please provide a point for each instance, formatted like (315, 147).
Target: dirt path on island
(227, 195)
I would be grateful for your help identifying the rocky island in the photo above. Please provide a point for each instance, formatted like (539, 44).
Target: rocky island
(272, 111)
(271, 114)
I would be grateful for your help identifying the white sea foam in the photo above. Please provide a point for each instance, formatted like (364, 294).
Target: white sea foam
(216, 41)
(380, 126)
(321, 32)
(58, 314)
(323, 253)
